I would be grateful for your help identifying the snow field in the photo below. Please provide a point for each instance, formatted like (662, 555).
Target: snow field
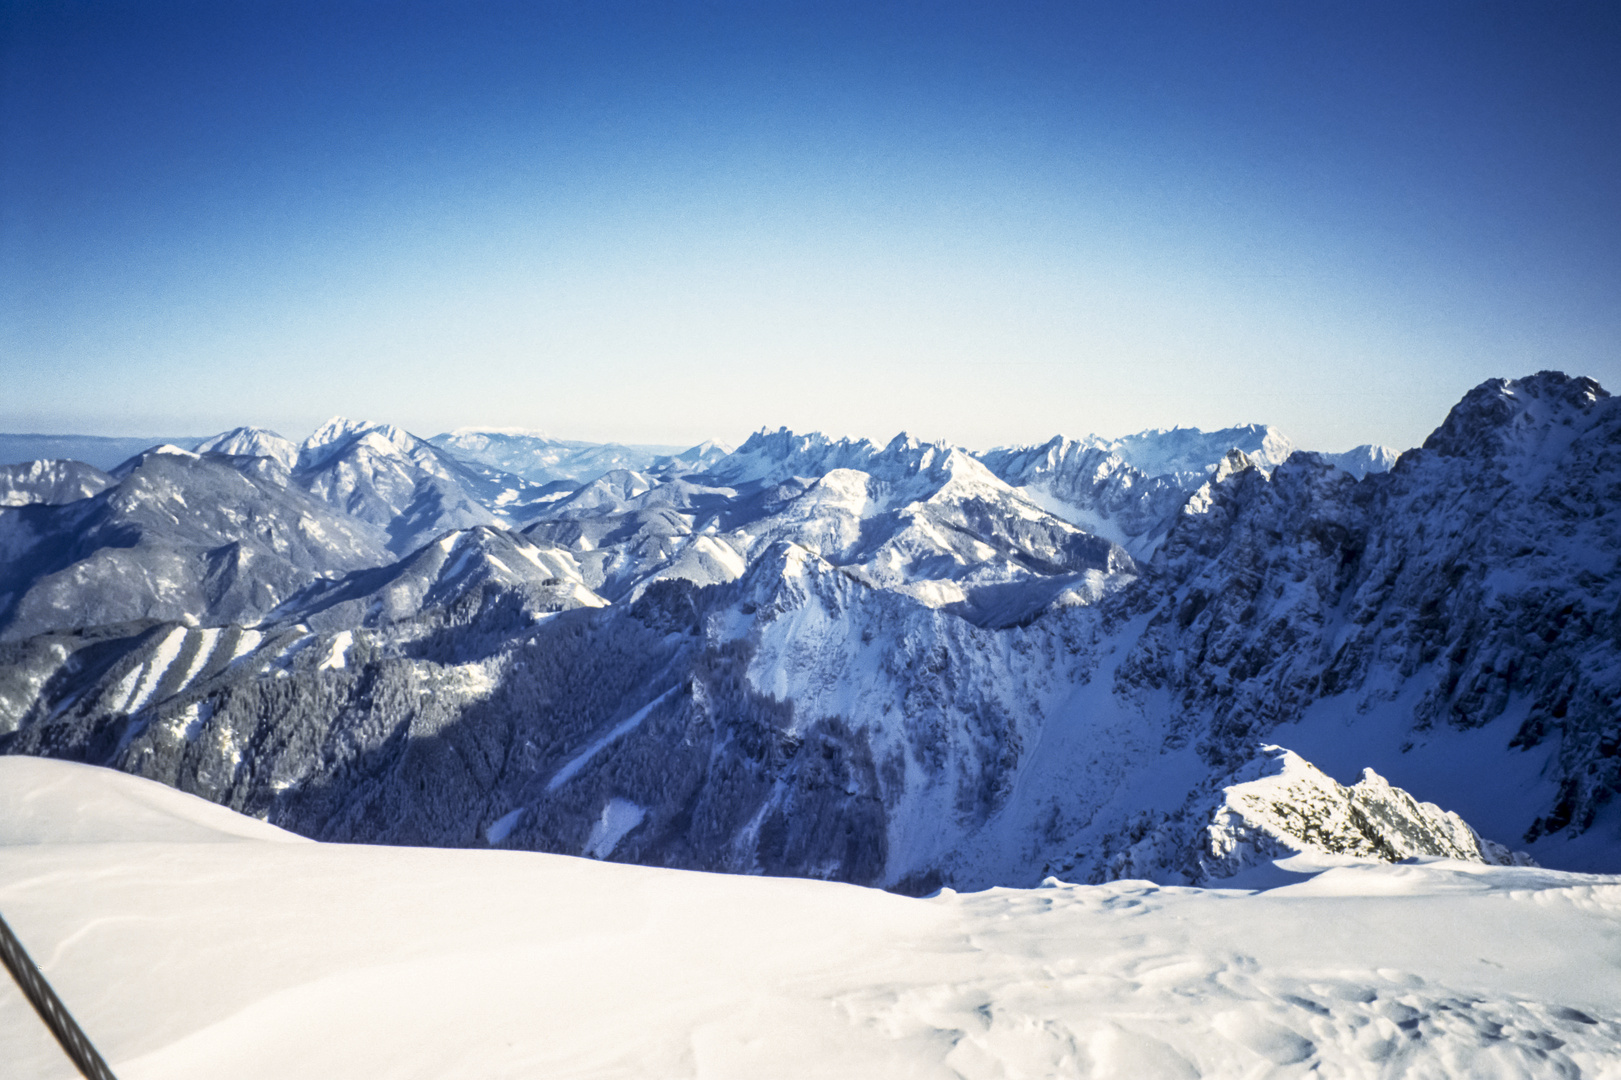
(168, 649)
(337, 657)
(183, 936)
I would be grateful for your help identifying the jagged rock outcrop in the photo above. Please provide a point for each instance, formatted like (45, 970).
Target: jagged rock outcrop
(1277, 805)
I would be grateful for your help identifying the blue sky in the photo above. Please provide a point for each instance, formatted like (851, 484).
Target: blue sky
(664, 222)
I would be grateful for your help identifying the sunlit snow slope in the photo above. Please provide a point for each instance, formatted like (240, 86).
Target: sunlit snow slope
(192, 943)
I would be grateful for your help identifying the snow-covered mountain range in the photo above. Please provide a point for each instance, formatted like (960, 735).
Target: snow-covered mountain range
(908, 665)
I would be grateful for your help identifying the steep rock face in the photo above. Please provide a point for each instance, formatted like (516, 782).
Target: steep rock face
(1477, 578)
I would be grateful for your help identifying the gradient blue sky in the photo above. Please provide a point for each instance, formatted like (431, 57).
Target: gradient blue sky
(663, 222)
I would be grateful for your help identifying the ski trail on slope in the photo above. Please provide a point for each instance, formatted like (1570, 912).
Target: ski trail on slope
(624, 727)
(168, 649)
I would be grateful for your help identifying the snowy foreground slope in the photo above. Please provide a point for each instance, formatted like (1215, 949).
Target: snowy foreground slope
(194, 943)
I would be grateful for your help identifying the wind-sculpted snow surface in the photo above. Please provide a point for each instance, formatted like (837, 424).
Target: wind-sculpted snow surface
(903, 665)
(183, 936)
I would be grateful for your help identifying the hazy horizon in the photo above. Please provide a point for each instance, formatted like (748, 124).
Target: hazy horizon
(298, 435)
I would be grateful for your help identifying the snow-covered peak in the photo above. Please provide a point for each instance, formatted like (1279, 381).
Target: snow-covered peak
(544, 460)
(1129, 490)
(1364, 460)
(472, 434)
(339, 434)
(773, 456)
(1235, 462)
(608, 493)
(769, 457)
(783, 575)
(50, 482)
(252, 442)
(166, 450)
(1184, 457)
(695, 459)
(906, 443)
(1190, 450)
(1499, 414)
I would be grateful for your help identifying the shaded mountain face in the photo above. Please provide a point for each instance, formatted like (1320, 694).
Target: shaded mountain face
(903, 665)
(177, 536)
(1472, 588)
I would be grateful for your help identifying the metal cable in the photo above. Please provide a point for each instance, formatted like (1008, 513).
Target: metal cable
(50, 1007)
